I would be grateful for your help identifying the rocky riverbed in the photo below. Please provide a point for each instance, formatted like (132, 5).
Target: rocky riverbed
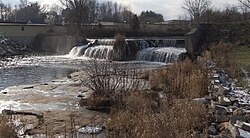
(57, 103)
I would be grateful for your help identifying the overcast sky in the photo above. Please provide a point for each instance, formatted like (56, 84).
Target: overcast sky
(170, 9)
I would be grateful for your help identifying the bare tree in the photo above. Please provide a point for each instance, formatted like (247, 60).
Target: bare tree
(245, 8)
(31, 11)
(196, 8)
(245, 3)
(78, 12)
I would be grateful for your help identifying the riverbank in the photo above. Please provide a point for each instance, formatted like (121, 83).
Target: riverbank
(56, 100)
(9, 47)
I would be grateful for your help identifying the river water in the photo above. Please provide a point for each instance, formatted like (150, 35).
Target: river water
(41, 69)
(36, 69)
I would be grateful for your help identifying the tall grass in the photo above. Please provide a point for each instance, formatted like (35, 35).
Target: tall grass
(182, 80)
(147, 115)
(222, 54)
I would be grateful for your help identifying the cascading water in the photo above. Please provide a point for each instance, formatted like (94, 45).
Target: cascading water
(100, 52)
(156, 54)
(78, 50)
(158, 50)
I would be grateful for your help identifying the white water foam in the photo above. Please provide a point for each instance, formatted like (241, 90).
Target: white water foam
(78, 50)
(164, 54)
(99, 52)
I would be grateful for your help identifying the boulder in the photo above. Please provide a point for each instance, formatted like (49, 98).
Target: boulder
(220, 118)
(224, 101)
(243, 125)
(212, 130)
(223, 126)
(234, 131)
(221, 110)
(243, 133)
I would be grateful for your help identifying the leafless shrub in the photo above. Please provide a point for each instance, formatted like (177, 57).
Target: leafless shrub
(121, 50)
(108, 79)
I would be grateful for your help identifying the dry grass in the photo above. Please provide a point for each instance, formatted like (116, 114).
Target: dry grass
(6, 129)
(222, 54)
(145, 114)
(182, 80)
(145, 117)
(243, 56)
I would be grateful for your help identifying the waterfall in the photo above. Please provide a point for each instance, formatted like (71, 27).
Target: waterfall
(157, 54)
(78, 51)
(100, 52)
(158, 50)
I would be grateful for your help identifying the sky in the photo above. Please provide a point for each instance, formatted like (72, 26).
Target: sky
(170, 9)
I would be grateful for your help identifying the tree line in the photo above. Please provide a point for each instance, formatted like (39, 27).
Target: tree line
(203, 11)
(73, 11)
(91, 11)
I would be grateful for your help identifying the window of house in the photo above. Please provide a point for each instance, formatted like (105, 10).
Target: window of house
(22, 28)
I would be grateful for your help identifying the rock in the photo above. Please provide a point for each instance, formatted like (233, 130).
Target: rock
(243, 133)
(29, 87)
(80, 96)
(243, 125)
(225, 134)
(221, 110)
(232, 99)
(224, 101)
(220, 118)
(235, 118)
(222, 90)
(239, 112)
(201, 100)
(4, 92)
(91, 129)
(223, 126)
(212, 130)
(234, 131)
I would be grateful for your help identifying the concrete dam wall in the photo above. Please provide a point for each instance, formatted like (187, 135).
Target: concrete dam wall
(58, 44)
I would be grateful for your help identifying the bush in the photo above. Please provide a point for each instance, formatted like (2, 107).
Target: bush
(121, 50)
(109, 80)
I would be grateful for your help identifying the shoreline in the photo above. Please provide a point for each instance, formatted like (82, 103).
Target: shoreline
(66, 90)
